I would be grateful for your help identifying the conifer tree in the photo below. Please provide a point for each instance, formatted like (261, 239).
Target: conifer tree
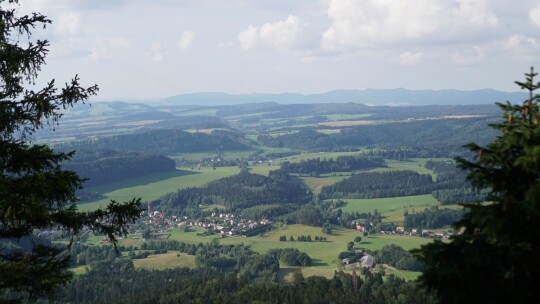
(36, 194)
(496, 258)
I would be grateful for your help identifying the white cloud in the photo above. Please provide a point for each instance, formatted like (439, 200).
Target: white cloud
(157, 53)
(106, 49)
(521, 45)
(69, 23)
(534, 15)
(281, 35)
(409, 58)
(360, 23)
(249, 37)
(186, 40)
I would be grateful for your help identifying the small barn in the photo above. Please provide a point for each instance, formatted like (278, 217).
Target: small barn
(367, 261)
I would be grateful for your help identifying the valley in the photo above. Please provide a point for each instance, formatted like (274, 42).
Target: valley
(279, 172)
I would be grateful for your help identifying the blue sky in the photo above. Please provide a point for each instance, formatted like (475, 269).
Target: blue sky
(142, 49)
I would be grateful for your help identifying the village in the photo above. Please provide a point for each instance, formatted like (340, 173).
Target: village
(224, 224)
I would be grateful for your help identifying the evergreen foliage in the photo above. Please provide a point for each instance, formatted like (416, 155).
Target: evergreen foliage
(431, 138)
(495, 259)
(240, 191)
(397, 257)
(453, 185)
(165, 142)
(35, 192)
(340, 164)
(101, 167)
(380, 184)
(433, 218)
(120, 282)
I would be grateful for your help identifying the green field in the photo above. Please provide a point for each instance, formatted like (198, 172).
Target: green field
(79, 269)
(262, 169)
(324, 254)
(328, 131)
(397, 216)
(153, 186)
(415, 164)
(388, 203)
(285, 274)
(171, 259)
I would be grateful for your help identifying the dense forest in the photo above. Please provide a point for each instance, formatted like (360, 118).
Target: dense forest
(165, 142)
(119, 282)
(102, 167)
(340, 164)
(436, 138)
(239, 192)
(433, 218)
(380, 184)
(453, 185)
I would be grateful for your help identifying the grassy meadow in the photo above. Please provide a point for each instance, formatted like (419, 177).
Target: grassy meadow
(153, 186)
(324, 254)
(389, 203)
(171, 259)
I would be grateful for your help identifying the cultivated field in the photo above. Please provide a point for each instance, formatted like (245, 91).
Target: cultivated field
(388, 203)
(153, 186)
(171, 259)
(324, 254)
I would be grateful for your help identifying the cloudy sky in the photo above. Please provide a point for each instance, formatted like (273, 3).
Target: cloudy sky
(141, 49)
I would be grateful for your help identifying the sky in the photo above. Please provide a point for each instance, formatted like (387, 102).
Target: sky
(147, 50)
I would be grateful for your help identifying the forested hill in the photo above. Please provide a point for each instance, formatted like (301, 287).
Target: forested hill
(442, 137)
(239, 193)
(165, 142)
(104, 166)
(342, 163)
(380, 184)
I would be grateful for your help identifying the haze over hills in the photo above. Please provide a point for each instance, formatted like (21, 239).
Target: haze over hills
(401, 97)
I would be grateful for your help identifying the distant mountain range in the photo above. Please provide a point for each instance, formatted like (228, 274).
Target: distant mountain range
(394, 97)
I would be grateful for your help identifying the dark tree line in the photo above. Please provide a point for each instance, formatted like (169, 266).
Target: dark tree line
(433, 218)
(240, 191)
(340, 164)
(437, 138)
(105, 166)
(164, 142)
(454, 187)
(380, 184)
(290, 256)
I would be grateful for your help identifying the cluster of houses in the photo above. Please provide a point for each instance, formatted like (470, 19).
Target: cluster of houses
(400, 230)
(228, 224)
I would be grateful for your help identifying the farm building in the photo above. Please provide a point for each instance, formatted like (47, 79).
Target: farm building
(367, 261)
